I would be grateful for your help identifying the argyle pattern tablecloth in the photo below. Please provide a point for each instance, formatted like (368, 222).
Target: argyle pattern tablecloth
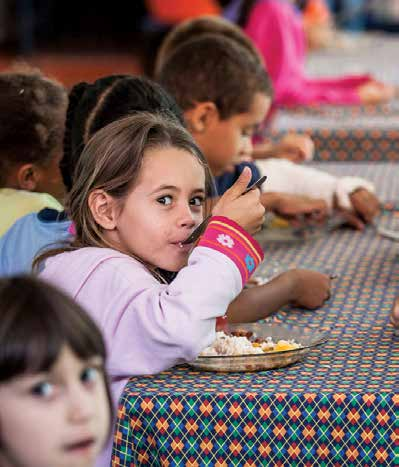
(354, 133)
(358, 133)
(338, 407)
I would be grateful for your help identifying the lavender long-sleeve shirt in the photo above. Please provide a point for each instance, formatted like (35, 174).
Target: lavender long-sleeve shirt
(148, 326)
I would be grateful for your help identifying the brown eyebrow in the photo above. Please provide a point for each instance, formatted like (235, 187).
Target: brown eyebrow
(174, 188)
(164, 187)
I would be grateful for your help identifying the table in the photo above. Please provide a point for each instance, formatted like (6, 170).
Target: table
(339, 407)
(368, 133)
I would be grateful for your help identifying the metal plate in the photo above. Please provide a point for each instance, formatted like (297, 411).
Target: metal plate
(309, 338)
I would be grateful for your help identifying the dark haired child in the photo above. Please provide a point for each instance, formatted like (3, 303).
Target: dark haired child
(292, 146)
(31, 131)
(54, 396)
(91, 106)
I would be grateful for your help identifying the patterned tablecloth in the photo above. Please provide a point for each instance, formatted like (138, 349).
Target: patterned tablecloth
(338, 407)
(350, 132)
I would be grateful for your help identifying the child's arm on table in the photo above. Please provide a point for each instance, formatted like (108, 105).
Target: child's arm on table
(292, 207)
(292, 146)
(353, 196)
(307, 289)
(395, 313)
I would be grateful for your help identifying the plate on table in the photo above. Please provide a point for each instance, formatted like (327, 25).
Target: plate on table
(307, 338)
(278, 230)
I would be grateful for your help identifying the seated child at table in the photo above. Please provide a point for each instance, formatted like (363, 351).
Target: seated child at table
(276, 28)
(138, 192)
(31, 130)
(196, 78)
(293, 146)
(92, 106)
(54, 396)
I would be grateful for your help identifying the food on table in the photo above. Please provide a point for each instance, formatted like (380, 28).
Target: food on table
(245, 343)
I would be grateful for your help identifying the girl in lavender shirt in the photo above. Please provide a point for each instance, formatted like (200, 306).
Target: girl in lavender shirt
(139, 191)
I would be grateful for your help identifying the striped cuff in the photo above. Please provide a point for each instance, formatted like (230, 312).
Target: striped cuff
(226, 236)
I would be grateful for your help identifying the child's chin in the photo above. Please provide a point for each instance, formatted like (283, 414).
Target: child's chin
(174, 266)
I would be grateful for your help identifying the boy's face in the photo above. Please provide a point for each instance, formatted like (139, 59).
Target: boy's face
(59, 417)
(225, 142)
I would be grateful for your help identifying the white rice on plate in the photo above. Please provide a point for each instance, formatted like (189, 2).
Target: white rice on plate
(225, 345)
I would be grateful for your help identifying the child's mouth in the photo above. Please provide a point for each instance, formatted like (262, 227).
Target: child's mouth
(81, 446)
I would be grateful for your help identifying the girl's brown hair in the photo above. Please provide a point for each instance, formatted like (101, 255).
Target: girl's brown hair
(111, 161)
(37, 321)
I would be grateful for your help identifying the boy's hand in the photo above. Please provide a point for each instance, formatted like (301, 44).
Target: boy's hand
(310, 288)
(365, 207)
(294, 207)
(365, 203)
(246, 210)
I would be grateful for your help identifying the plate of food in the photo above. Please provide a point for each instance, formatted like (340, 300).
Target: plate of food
(257, 347)
(276, 229)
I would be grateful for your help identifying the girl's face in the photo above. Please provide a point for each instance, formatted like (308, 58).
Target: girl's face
(56, 418)
(164, 207)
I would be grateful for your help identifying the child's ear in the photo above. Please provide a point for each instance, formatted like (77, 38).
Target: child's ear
(201, 117)
(27, 177)
(103, 208)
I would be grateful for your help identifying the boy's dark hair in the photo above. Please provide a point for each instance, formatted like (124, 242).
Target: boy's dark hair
(93, 106)
(214, 69)
(31, 119)
(37, 321)
(194, 28)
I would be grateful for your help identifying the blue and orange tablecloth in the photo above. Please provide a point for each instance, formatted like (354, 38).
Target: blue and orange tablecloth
(339, 407)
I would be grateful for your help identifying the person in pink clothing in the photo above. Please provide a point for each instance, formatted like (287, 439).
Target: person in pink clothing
(276, 27)
(139, 191)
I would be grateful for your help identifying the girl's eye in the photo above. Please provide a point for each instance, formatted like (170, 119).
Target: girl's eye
(165, 200)
(43, 389)
(197, 201)
(89, 375)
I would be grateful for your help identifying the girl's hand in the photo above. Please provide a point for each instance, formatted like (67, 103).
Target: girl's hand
(375, 92)
(310, 289)
(246, 210)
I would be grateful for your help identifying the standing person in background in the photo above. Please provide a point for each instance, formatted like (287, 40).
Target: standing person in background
(31, 130)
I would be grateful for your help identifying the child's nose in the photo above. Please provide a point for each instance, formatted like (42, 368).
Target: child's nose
(186, 217)
(247, 147)
(81, 405)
